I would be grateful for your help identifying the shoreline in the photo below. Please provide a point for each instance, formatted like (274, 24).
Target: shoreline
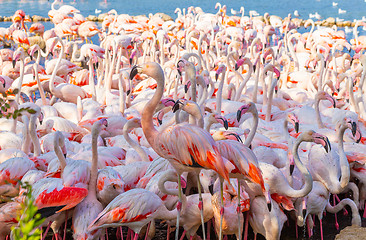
(329, 22)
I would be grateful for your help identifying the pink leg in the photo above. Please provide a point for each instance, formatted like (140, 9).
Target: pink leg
(255, 236)
(121, 231)
(48, 228)
(246, 226)
(191, 238)
(296, 231)
(106, 233)
(321, 229)
(208, 229)
(335, 215)
(56, 236)
(136, 236)
(182, 237)
(147, 230)
(66, 217)
(308, 226)
(168, 232)
(225, 237)
(128, 234)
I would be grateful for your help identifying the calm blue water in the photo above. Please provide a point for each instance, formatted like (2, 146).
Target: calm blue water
(355, 9)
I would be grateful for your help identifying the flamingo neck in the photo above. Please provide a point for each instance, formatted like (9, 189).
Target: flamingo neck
(53, 76)
(134, 144)
(317, 112)
(244, 82)
(251, 135)
(33, 134)
(59, 138)
(20, 78)
(147, 124)
(26, 137)
(345, 171)
(305, 172)
(219, 92)
(94, 167)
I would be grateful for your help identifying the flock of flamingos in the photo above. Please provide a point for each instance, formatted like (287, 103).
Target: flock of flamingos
(210, 121)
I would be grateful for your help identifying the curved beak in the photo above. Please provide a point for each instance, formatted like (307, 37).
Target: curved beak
(14, 62)
(236, 67)
(297, 127)
(176, 106)
(134, 71)
(354, 128)
(238, 138)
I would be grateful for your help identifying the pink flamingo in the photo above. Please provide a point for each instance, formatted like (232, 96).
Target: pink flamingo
(187, 147)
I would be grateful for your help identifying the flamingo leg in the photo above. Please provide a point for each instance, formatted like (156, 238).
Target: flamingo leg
(66, 218)
(106, 233)
(200, 206)
(222, 207)
(147, 230)
(335, 215)
(184, 233)
(321, 229)
(168, 232)
(208, 229)
(136, 236)
(179, 205)
(48, 228)
(364, 211)
(239, 212)
(121, 231)
(246, 226)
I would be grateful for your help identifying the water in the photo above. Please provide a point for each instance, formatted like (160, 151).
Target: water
(355, 9)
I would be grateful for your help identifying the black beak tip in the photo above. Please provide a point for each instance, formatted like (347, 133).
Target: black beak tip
(14, 63)
(65, 155)
(236, 67)
(160, 121)
(226, 125)
(296, 127)
(238, 115)
(269, 206)
(186, 88)
(292, 168)
(128, 92)
(216, 76)
(175, 107)
(211, 189)
(130, 61)
(133, 72)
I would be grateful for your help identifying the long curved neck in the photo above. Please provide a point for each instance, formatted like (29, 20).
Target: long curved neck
(305, 172)
(345, 171)
(308, 41)
(20, 83)
(250, 137)
(26, 137)
(94, 167)
(320, 79)
(147, 115)
(59, 138)
(244, 82)
(170, 176)
(356, 219)
(40, 87)
(317, 112)
(270, 98)
(219, 92)
(33, 134)
(292, 52)
(255, 90)
(91, 80)
(126, 129)
(285, 128)
(53, 76)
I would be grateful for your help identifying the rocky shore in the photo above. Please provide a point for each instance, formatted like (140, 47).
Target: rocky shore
(329, 22)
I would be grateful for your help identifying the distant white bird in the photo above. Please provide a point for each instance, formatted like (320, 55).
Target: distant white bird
(254, 13)
(339, 19)
(334, 4)
(97, 11)
(315, 15)
(348, 29)
(233, 12)
(341, 11)
(296, 13)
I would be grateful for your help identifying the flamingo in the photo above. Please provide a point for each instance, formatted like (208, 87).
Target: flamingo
(199, 149)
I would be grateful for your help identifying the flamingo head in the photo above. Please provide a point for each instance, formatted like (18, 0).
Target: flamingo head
(292, 118)
(352, 125)
(151, 69)
(318, 139)
(250, 107)
(321, 95)
(168, 102)
(180, 65)
(187, 86)
(219, 70)
(2, 81)
(220, 119)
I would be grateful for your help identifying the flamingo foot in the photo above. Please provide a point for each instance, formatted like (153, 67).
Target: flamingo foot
(182, 237)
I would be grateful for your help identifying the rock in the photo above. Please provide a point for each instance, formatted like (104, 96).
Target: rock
(1, 19)
(330, 20)
(164, 16)
(297, 21)
(47, 19)
(7, 19)
(352, 233)
(102, 16)
(347, 23)
(92, 18)
(37, 18)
